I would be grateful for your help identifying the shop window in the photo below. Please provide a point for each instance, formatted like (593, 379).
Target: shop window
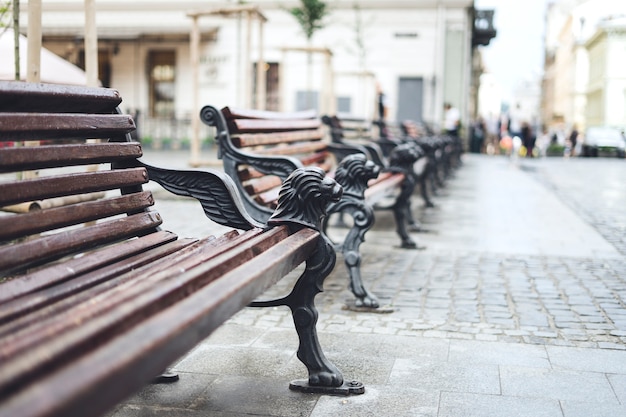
(162, 75)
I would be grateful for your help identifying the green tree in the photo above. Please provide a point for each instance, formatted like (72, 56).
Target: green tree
(310, 16)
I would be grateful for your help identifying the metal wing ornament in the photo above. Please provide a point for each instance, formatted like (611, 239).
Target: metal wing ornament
(215, 191)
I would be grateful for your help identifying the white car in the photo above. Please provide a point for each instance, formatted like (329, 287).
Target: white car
(604, 139)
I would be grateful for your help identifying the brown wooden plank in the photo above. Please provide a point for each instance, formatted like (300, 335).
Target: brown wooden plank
(40, 126)
(91, 380)
(180, 253)
(18, 96)
(55, 295)
(261, 126)
(69, 184)
(250, 139)
(268, 198)
(381, 185)
(238, 113)
(261, 185)
(53, 218)
(49, 156)
(73, 331)
(38, 251)
(58, 272)
(293, 149)
(315, 158)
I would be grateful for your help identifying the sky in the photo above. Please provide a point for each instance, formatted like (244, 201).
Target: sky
(516, 53)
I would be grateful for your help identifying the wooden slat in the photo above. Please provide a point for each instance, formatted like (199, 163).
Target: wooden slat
(238, 113)
(19, 96)
(108, 275)
(250, 139)
(63, 185)
(40, 126)
(50, 275)
(268, 198)
(260, 185)
(47, 156)
(384, 182)
(58, 338)
(293, 149)
(145, 350)
(261, 126)
(180, 253)
(42, 220)
(38, 251)
(315, 158)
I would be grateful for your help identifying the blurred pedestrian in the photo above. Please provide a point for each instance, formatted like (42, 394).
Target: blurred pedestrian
(528, 138)
(573, 139)
(452, 120)
(382, 110)
(478, 135)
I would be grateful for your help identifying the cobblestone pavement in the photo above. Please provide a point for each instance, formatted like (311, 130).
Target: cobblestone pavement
(493, 269)
(516, 307)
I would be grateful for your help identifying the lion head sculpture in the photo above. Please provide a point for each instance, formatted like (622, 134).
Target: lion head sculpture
(405, 155)
(354, 172)
(304, 197)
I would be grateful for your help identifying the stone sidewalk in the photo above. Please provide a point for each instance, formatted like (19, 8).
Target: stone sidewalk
(517, 307)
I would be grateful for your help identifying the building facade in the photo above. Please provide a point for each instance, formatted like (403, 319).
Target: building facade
(419, 52)
(584, 83)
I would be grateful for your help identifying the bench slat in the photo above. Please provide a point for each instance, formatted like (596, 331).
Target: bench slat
(107, 313)
(39, 157)
(19, 96)
(70, 184)
(30, 253)
(166, 335)
(53, 290)
(260, 185)
(261, 126)
(245, 140)
(293, 149)
(40, 126)
(53, 274)
(41, 220)
(181, 253)
(240, 113)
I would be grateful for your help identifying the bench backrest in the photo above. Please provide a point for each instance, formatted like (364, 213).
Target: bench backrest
(56, 197)
(278, 142)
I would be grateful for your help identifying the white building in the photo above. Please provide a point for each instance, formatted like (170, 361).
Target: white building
(419, 51)
(583, 81)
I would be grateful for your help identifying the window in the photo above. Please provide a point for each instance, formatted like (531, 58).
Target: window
(162, 73)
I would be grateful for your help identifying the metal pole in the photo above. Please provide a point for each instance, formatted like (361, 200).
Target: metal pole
(91, 44)
(33, 58)
(261, 84)
(195, 117)
(247, 73)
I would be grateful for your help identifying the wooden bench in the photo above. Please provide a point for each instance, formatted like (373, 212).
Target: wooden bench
(377, 138)
(95, 298)
(259, 148)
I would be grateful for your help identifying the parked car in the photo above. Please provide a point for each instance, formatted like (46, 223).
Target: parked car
(603, 139)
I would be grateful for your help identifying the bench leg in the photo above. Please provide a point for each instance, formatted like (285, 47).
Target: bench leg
(363, 219)
(403, 214)
(324, 376)
(423, 179)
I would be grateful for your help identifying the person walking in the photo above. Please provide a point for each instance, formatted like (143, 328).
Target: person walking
(528, 138)
(452, 120)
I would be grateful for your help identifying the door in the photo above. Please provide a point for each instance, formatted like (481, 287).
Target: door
(410, 99)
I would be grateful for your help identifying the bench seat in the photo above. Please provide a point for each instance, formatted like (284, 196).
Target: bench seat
(260, 148)
(96, 299)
